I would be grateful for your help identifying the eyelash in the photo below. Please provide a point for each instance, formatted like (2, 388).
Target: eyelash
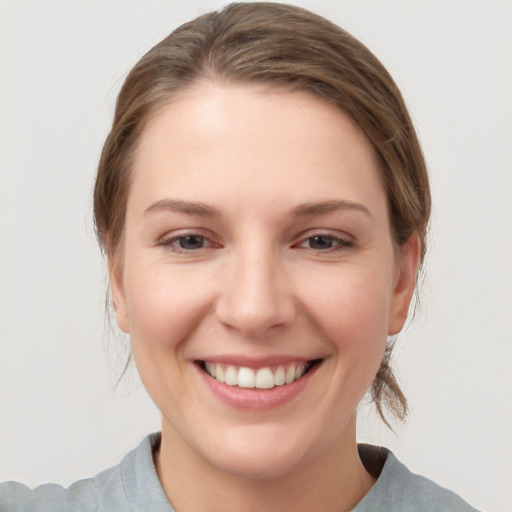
(339, 244)
(173, 243)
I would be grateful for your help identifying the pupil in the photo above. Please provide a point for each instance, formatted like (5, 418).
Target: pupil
(321, 242)
(191, 242)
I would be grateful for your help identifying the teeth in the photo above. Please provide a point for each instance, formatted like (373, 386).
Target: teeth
(246, 378)
(219, 374)
(264, 378)
(231, 376)
(300, 370)
(279, 377)
(290, 375)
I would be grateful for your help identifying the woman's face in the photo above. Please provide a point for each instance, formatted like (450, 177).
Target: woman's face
(258, 280)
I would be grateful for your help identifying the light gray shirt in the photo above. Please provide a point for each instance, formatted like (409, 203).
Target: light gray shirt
(133, 486)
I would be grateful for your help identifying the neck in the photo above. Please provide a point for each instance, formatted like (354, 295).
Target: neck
(336, 480)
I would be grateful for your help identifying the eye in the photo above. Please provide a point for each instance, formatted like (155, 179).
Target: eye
(189, 242)
(323, 242)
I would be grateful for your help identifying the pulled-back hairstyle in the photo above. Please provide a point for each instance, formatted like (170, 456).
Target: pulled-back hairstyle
(288, 47)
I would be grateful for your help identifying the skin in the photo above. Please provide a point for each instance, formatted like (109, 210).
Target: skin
(259, 285)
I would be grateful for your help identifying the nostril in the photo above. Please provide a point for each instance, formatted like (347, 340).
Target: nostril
(254, 297)
(254, 317)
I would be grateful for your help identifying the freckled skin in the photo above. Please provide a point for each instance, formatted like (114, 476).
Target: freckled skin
(257, 286)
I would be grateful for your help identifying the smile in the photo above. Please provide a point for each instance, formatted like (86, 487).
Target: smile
(261, 378)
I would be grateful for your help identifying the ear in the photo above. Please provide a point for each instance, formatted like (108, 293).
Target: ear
(115, 270)
(404, 283)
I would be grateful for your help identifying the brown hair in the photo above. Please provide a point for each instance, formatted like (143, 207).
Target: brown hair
(289, 47)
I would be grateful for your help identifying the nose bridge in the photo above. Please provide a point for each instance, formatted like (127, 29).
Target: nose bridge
(256, 295)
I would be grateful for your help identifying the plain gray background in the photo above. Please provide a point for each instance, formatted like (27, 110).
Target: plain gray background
(62, 63)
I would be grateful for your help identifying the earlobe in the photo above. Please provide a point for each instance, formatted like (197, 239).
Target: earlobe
(118, 295)
(404, 284)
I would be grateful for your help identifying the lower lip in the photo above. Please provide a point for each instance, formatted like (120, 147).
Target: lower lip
(258, 399)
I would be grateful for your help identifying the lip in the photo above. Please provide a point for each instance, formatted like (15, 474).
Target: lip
(252, 398)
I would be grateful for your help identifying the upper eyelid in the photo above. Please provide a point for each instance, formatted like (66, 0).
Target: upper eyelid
(182, 233)
(333, 233)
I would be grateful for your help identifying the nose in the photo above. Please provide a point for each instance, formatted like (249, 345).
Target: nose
(256, 295)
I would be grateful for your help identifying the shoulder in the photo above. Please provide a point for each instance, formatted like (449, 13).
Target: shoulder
(84, 495)
(108, 491)
(398, 489)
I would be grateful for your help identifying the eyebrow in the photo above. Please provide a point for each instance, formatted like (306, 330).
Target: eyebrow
(190, 208)
(312, 209)
(301, 210)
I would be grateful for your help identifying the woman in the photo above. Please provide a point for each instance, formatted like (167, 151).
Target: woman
(263, 203)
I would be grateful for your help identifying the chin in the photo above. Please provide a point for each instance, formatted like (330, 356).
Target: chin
(260, 452)
(259, 464)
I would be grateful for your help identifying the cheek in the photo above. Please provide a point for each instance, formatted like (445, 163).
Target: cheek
(350, 306)
(163, 306)
(350, 310)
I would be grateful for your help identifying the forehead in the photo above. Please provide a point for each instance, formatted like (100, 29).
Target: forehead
(250, 139)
